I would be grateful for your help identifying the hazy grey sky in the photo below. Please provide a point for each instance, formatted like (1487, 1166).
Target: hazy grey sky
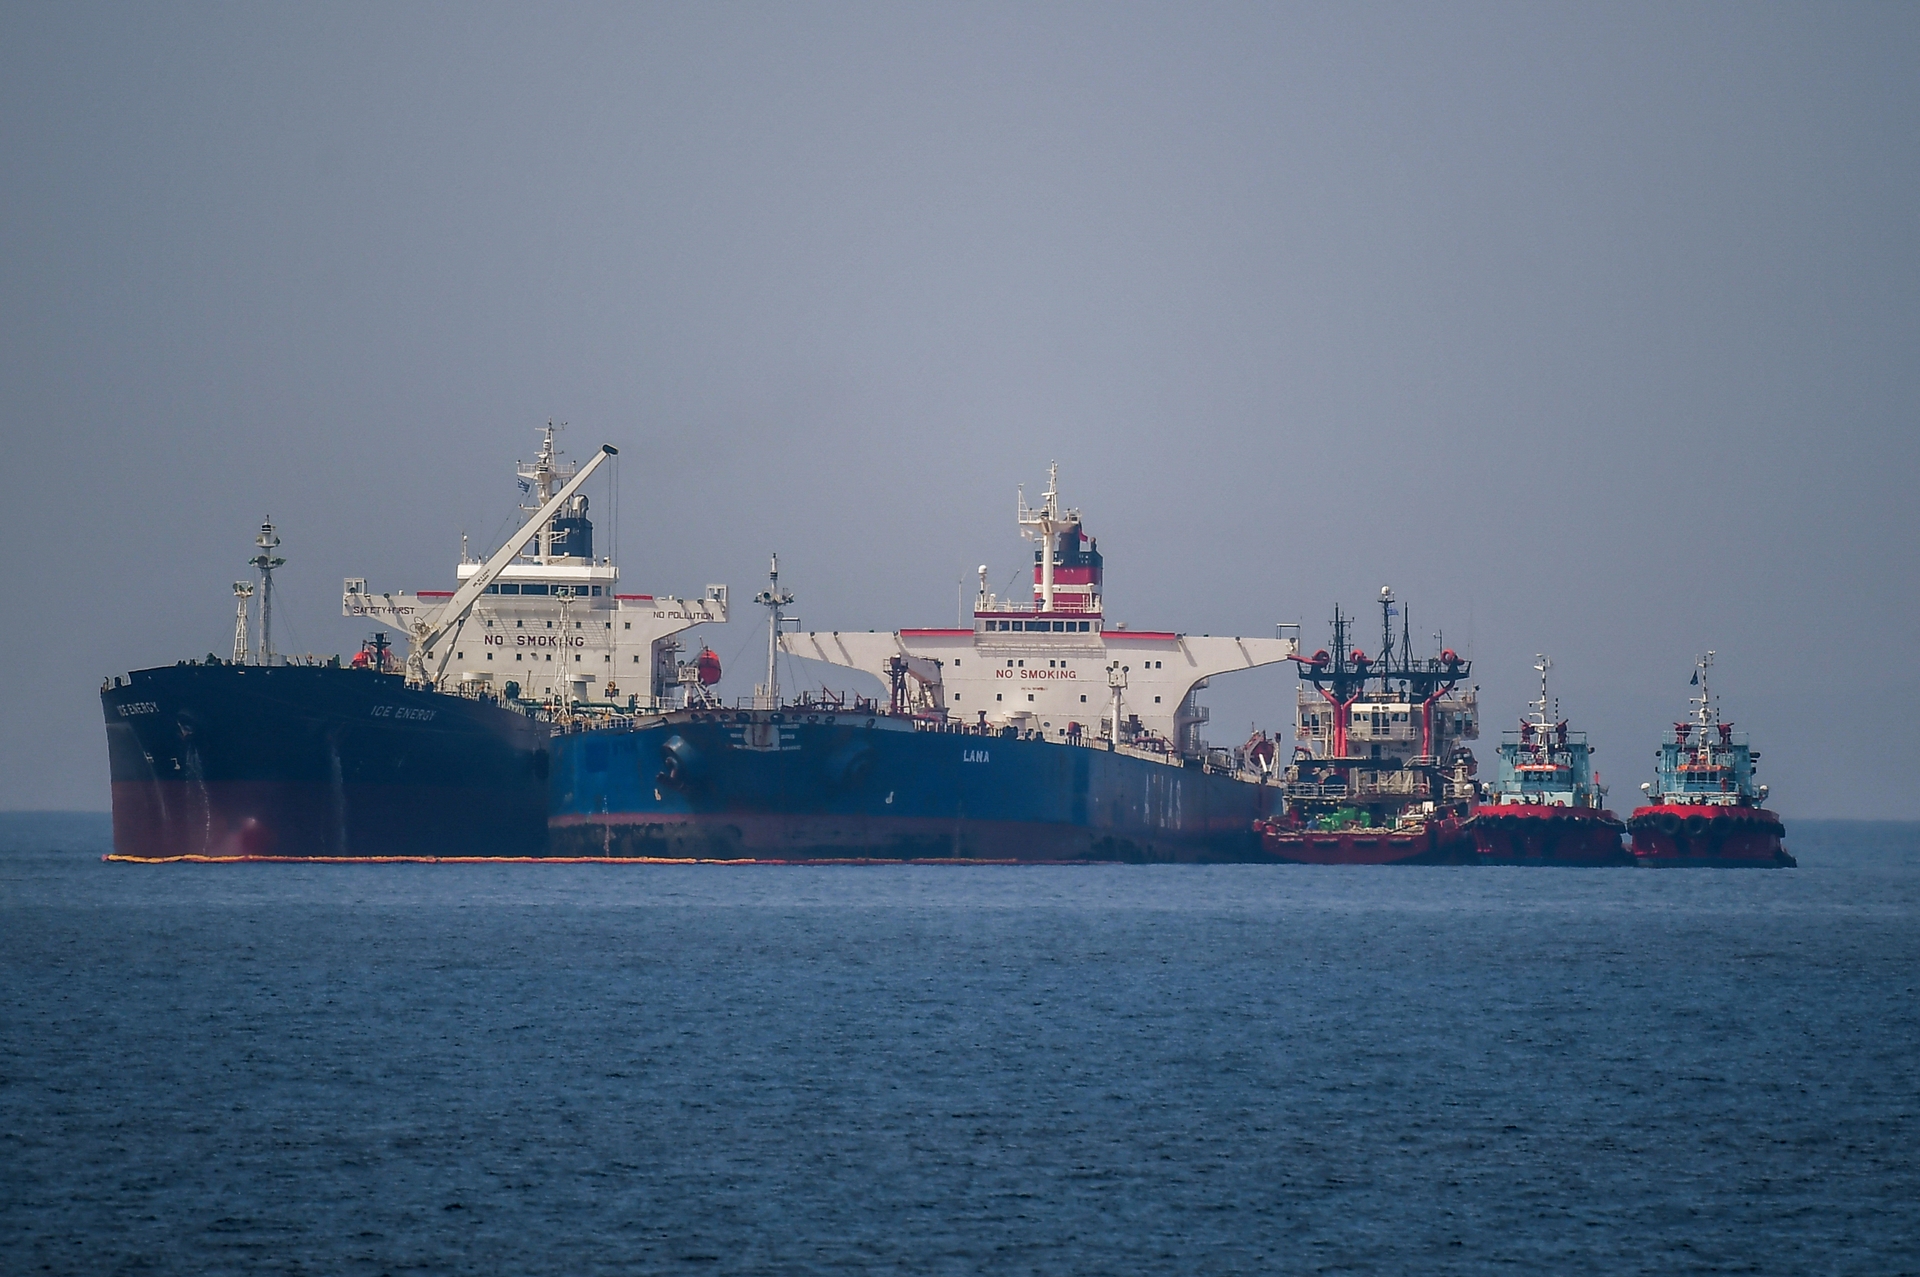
(1591, 329)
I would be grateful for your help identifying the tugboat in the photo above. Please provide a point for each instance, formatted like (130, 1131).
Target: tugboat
(1704, 808)
(1548, 806)
(1387, 779)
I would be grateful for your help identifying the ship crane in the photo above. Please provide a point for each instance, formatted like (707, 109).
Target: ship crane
(427, 656)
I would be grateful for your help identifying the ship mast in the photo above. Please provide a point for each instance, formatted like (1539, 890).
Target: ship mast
(1705, 699)
(1386, 633)
(242, 591)
(1538, 730)
(1043, 525)
(543, 477)
(773, 598)
(268, 541)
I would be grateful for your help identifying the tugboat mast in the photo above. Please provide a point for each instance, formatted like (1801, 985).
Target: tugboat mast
(1705, 699)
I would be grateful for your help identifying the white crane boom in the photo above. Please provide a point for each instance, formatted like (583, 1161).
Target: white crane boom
(427, 634)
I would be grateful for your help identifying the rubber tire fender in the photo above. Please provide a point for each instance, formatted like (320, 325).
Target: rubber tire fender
(680, 762)
(849, 765)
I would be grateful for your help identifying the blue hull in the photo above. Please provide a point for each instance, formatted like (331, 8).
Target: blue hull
(798, 786)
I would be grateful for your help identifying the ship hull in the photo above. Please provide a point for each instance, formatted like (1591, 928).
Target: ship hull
(1529, 834)
(794, 786)
(1442, 842)
(306, 762)
(1680, 835)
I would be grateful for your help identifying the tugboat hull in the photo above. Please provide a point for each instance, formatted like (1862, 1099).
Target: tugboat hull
(1536, 834)
(1682, 835)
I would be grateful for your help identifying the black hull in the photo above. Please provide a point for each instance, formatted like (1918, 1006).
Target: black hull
(304, 762)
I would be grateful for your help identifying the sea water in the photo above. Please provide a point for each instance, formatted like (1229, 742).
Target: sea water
(1114, 1069)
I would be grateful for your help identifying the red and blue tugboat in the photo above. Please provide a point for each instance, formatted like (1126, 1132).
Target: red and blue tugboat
(1705, 807)
(1548, 806)
(1386, 778)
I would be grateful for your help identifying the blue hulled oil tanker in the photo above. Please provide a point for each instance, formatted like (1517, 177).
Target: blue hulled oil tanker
(1041, 733)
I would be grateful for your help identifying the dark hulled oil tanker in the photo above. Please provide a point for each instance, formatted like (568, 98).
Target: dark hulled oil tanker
(262, 756)
(1042, 732)
(233, 759)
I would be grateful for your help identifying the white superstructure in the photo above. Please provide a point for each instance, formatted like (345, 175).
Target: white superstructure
(549, 623)
(1051, 665)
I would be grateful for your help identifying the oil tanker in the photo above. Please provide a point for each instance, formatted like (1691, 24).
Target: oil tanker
(1041, 732)
(266, 756)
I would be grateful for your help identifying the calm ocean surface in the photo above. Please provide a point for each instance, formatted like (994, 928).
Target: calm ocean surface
(582, 1069)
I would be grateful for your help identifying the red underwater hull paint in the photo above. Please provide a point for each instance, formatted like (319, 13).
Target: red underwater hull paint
(1697, 835)
(1526, 834)
(806, 838)
(1444, 842)
(168, 819)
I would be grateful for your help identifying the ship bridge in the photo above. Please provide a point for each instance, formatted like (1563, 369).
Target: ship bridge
(1051, 664)
(551, 624)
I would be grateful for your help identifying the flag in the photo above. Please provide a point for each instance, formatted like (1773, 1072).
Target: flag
(525, 486)
(1695, 680)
